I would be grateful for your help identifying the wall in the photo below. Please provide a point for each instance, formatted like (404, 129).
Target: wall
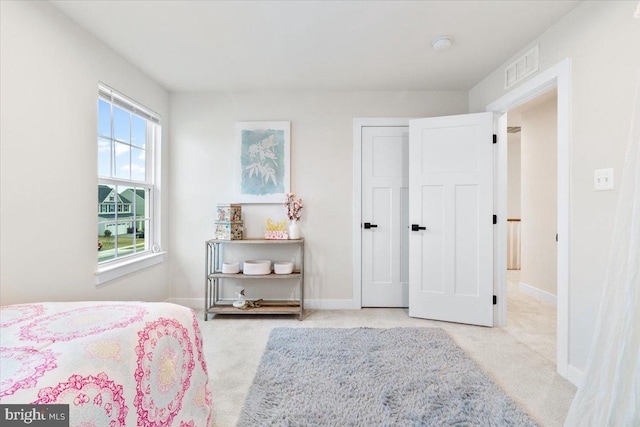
(513, 175)
(50, 69)
(203, 142)
(539, 143)
(603, 41)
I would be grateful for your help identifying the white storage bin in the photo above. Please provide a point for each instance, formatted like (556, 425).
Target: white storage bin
(283, 267)
(230, 267)
(257, 267)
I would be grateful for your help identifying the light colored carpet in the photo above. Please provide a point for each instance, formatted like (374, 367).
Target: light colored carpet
(373, 377)
(233, 347)
(531, 319)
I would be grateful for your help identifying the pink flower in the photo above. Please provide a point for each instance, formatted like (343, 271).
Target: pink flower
(294, 206)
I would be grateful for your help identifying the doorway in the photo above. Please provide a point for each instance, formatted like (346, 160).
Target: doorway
(558, 77)
(532, 224)
(358, 227)
(450, 170)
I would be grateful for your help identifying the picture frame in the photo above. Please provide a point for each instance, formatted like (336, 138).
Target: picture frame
(263, 161)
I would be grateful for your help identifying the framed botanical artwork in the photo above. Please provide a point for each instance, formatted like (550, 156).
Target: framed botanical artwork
(263, 161)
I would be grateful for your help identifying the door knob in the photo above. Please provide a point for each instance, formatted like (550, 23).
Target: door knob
(416, 227)
(368, 225)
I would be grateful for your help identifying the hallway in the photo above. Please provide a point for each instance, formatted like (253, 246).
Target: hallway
(530, 319)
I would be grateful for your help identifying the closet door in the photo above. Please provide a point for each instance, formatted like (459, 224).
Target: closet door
(385, 214)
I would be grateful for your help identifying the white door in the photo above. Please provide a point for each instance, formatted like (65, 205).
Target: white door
(385, 215)
(451, 217)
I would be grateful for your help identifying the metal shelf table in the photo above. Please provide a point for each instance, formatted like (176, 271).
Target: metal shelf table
(213, 275)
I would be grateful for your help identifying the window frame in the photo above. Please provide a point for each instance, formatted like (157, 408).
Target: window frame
(152, 254)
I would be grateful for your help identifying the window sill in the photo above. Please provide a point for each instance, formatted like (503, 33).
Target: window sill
(116, 270)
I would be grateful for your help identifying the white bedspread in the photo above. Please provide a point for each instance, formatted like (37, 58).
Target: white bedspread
(114, 363)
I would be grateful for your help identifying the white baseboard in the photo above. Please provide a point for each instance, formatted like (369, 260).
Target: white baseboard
(575, 375)
(328, 304)
(312, 304)
(543, 295)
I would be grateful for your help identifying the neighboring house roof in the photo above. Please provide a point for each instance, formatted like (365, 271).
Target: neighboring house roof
(124, 199)
(139, 192)
(103, 192)
(140, 195)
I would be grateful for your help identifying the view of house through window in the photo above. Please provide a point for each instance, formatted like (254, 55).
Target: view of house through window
(126, 137)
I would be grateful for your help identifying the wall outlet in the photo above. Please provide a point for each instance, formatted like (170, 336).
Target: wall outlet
(603, 179)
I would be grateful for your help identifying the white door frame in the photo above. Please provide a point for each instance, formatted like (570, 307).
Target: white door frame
(358, 124)
(557, 76)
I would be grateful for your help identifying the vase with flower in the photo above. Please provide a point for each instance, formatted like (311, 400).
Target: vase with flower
(294, 206)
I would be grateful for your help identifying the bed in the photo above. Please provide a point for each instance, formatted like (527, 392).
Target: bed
(114, 363)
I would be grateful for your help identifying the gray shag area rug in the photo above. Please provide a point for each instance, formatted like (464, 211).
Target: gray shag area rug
(373, 377)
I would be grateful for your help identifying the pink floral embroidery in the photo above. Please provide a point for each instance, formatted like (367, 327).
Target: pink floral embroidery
(24, 366)
(209, 405)
(12, 314)
(81, 322)
(79, 390)
(198, 339)
(165, 365)
(202, 399)
(189, 424)
(81, 399)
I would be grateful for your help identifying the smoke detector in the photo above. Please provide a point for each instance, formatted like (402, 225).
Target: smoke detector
(441, 43)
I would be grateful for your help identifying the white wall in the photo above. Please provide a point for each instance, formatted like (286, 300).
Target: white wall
(539, 144)
(50, 69)
(513, 175)
(202, 168)
(603, 41)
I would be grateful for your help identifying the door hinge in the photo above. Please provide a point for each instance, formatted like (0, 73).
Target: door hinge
(495, 299)
(495, 219)
(495, 138)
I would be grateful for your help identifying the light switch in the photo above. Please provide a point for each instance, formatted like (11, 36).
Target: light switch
(603, 179)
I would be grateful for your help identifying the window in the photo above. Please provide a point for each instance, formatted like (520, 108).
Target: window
(128, 135)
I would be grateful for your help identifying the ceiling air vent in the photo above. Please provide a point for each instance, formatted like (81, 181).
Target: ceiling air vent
(524, 66)
(513, 129)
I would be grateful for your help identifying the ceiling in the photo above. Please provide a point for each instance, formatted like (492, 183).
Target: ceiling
(318, 45)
